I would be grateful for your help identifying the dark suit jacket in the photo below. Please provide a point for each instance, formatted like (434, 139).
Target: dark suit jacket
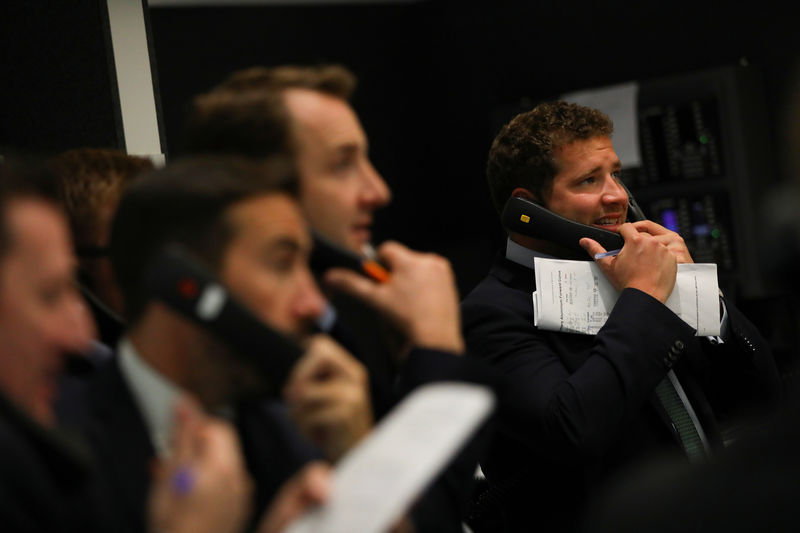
(376, 343)
(104, 410)
(47, 479)
(579, 408)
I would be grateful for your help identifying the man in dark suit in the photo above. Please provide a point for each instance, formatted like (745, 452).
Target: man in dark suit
(580, 407)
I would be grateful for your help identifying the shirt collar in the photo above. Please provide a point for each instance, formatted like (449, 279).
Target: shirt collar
(521, 255)
(155, 395)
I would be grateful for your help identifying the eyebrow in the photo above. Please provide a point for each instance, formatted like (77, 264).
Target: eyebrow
(347, 149)
(282, 242)
(285, 244)
(615, 167)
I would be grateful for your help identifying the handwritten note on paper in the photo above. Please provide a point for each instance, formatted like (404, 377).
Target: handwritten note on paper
(575, 296)
(378, 480)
(572, 296)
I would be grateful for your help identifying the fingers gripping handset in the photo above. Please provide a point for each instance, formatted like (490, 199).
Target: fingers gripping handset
(650, 263)
(180, 281)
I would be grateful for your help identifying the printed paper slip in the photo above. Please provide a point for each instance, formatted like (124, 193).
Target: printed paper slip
(377, 481)
(575, 296)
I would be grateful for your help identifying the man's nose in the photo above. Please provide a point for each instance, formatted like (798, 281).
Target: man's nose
(77, 328)
(309, 303)
(375, 192)
(614, 192)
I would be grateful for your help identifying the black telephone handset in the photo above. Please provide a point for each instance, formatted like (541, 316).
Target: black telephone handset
(326, 254)
(179, 280)
(527, 218)
(635, 213)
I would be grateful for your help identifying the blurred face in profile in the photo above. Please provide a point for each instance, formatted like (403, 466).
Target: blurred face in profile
(266, 263)
(264, 266)
(339, 187)
(42, 316)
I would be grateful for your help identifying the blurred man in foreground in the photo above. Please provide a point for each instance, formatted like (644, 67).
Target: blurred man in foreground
(47, 476)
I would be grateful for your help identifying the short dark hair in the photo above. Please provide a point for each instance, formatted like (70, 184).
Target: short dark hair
(522, 154)
(334, 80)
(22, 179)
(88, 179)
(246, 114)
(186, 203)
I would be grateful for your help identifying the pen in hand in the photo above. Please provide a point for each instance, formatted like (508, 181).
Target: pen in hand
(609, 253)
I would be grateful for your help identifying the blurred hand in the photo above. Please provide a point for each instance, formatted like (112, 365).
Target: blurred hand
(307, 488)
(328, 397)
(668, 238)
(644, 263)
(203, 487)
(421, 295)
(403, 525)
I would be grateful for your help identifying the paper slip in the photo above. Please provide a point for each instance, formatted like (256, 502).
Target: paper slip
(575, 296)
(376, 482)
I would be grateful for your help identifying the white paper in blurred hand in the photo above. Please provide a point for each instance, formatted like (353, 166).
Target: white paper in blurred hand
(376, 482)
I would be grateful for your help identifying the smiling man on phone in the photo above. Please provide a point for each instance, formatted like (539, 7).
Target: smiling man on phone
(585, 407)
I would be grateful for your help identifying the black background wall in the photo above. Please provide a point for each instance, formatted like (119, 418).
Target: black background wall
(436, 79)
(57, 81)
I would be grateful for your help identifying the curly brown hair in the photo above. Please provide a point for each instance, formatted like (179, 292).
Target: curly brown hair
(522, 154)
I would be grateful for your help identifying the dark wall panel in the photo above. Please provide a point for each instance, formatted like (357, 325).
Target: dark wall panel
(58, 86)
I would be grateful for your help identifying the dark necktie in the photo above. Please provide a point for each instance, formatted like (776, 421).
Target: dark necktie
(687, 431)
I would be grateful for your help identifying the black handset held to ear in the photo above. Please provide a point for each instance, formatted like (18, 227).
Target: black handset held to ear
(527, 218)
(177, 279)
(327, 254)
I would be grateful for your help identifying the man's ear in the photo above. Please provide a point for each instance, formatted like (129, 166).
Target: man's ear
(522, 192)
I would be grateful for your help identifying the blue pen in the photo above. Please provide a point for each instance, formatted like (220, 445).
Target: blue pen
(609, 253)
